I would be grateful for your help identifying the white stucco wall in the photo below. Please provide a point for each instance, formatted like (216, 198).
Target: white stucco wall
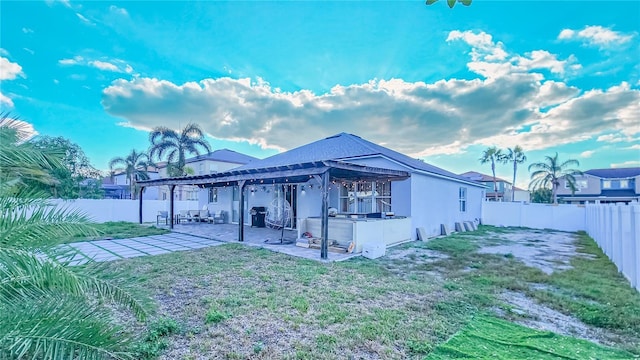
(436, 202)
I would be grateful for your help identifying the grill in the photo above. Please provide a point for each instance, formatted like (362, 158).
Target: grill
(258, 214)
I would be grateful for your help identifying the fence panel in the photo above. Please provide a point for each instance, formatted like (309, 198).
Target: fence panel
(616, 229)
(103, 210)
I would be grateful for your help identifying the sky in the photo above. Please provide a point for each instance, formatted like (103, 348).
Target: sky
(432, 82)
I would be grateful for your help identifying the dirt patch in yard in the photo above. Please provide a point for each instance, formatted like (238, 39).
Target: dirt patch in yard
(547, 251)
(538, 316)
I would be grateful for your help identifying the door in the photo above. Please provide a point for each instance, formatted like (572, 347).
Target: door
(235, 207)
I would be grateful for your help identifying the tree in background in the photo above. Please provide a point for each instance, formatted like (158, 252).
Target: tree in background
(49, 310)
(175, 146)
(542, 196)
(135, 165)
(515, 156)
(492, 154)
(77, 177)
(549, 172)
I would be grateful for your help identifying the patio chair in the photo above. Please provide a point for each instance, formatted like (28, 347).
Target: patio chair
(183, 215)
(162, 215)
(195, 215)
(217, 217)
(203, 215)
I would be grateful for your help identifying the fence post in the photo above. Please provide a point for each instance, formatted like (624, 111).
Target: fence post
(635, 245)
(624, 222)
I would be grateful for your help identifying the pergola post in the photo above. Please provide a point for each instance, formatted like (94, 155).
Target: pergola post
(324, 229)
(140, 205)
(171, 189)
(241, 215)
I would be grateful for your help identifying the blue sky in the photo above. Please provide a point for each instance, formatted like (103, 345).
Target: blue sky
(260, 77)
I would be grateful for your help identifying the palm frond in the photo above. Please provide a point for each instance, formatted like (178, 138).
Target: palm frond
(61, 327)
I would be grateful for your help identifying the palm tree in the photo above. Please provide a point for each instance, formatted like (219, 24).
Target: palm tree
(515, 156)
(548, 174)
(50, 310)
(175, 146)
(492, 154)
(135, 165)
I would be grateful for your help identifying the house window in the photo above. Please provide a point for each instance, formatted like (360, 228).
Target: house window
(213, 195)
(200, 169)
(164, 196)
(580, 184)
(606, 184)
(365, 197)
(624, 184)
(462, 196)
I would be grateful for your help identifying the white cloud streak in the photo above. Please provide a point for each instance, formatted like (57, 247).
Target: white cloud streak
(596, 36)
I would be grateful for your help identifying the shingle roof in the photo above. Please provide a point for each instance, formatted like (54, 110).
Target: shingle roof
(615, 173)
(224, 155)
(343, 147)
(476, 176)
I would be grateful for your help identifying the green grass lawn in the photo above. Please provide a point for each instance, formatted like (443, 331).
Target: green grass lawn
(118, 230)
(237, 302)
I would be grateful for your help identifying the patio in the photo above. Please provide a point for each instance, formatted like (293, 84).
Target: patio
(266, 238)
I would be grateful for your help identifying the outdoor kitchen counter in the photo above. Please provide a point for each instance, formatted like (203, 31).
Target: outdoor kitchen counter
(344, 230)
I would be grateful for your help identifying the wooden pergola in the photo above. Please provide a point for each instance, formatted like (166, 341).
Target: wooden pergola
(324, 172)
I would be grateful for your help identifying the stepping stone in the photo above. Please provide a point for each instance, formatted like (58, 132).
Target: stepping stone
(467, 226)
(422, 234)
(444, 230)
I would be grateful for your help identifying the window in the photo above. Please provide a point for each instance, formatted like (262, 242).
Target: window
(200, 169)
(580, 184)
(624, 184)
(462, 195)
(606, 184)
(213, 195)
(164, 196)
(365, 197)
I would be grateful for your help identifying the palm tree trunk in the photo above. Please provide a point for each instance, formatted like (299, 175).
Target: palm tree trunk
(513, 185)
(555, 194)
(495, 185)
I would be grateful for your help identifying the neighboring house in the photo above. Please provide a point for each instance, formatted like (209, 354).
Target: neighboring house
(210, 163)
(615, 185)
(503, 187)
(431, 196)
(521, 195)
(117, 186)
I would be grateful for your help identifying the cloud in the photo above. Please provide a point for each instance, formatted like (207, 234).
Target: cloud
(115, 65)
(84, 19)
(5, 100)
(29, 50)
(587, 154)
(66, 3)
(491, 60)
(517, 106)
(631, 163)
(596, 36)
(27, 30)
(9, 70)
(3, 52)
(633, 147)
(118, 10)
(103, 65)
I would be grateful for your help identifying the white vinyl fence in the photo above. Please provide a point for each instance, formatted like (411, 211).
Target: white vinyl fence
(537, 216)
(103, 210)
(616, 229)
